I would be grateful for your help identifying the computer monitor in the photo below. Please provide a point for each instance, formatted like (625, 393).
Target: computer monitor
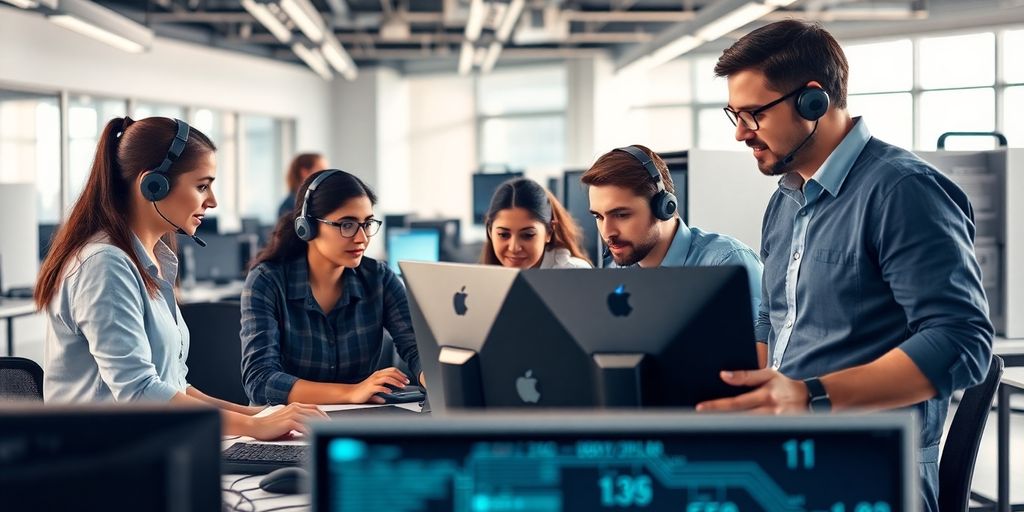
(221, 261)
(210, 225)
(413, 244)
(451, 235)
(46, 232)
(111, 458)
(576, 200)
(484, 185)
(638, 461)
(495, 337)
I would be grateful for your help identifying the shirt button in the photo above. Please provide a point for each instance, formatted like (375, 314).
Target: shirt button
(803, 213)
(775, 364)
(789, 323)
(796, 255)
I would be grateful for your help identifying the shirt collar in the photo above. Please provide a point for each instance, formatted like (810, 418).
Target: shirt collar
(165, 258)
(680, 247)
(833, 172)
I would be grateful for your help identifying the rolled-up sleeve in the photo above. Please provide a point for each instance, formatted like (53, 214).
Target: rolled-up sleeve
(107, 304)
(749, 261)
(398, 321)
(926, 253)
(263, 375)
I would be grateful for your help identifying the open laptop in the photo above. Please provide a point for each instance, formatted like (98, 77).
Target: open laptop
(648, 461)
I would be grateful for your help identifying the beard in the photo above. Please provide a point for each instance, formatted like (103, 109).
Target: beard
(635, 252)
(770, 163)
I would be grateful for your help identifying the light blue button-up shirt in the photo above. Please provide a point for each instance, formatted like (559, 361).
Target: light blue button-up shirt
(693, 247)
(108, 339)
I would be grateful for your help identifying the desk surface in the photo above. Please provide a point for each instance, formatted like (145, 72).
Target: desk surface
(242, 492)
(10, 308)
(1014, 377)
(209, 292)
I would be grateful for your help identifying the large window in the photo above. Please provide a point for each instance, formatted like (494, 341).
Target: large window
(261, 168)
(30, 147)
(144, 109)
(522, 117)
(222, 129)
(87, 116)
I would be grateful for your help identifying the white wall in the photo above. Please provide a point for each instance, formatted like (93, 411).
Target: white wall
(41, 55)
(442, 146)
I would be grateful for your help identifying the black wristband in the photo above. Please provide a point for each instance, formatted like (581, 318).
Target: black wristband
(817, 397)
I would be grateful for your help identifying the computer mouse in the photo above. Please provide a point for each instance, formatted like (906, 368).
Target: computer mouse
(290, 480)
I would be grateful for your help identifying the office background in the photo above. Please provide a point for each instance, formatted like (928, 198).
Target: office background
(416, 129)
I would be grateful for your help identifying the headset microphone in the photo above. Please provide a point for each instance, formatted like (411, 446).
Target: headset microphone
(180, 231)
(788, 159)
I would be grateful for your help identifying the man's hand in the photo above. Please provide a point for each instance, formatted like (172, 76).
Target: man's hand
(775, 393)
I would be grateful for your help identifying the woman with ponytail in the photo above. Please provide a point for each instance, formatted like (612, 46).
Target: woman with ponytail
(528, 228)
(106, 286)
(314, 310)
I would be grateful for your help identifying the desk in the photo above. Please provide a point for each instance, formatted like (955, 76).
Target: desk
(209, 292)
(1012, 382)
(237, 489)
(11, 309)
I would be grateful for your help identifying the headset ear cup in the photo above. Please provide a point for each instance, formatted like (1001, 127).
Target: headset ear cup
(812, 103)
(155, 186)
(304, 230)
(664, 205)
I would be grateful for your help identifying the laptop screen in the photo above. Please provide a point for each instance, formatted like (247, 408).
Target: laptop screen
(650, 461)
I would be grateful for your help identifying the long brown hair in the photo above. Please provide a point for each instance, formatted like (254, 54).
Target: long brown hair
(329, 195)
(302, 162)
(125, 149)
(543, 207)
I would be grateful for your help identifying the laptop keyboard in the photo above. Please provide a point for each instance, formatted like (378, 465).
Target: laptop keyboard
(255, 458)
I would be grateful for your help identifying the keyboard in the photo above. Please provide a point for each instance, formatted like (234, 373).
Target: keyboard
(259, 458)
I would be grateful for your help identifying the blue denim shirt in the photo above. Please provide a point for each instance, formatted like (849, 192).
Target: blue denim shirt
(875, 252)
(693, 247)
(286, 336)
(108, 339)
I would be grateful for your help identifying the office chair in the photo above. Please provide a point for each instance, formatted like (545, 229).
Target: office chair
(960, 451)
(215, 349)
(21, 380)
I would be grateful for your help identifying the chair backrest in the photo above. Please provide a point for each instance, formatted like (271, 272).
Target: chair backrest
(20, 380)
(215, 349)
(960, 451)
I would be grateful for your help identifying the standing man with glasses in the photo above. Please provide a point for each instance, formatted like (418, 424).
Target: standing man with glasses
(314, 309)
(872, 296)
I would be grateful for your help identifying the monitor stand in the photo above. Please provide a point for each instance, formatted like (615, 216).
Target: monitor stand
(460, 373)
(619, 379)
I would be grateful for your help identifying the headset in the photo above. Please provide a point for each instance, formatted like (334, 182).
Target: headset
(664, 203)
(157, 184)
(811, 104)
(305, 229)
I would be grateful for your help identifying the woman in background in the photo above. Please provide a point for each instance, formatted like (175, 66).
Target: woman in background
(107, 285)
(528, 228)
(301, 167)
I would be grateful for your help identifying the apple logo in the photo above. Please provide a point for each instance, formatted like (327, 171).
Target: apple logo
(618, 301)
(459, 302)
(526, 386)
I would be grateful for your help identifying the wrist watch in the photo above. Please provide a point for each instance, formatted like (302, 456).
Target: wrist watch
(817, 397)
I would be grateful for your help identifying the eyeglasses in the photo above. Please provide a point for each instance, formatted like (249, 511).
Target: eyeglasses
(749, 117)
(348, 228)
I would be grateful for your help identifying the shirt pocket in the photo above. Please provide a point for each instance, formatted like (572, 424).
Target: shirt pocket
(836, 257)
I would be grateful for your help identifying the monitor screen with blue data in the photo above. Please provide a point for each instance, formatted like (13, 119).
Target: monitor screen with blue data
(412, 244)
(628, 461)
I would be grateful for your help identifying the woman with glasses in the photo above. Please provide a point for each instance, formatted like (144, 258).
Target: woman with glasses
(314, 310)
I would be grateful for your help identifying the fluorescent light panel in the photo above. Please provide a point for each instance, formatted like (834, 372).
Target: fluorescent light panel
(674, 49)
(314, 59)
(268, 20)
(24, 4)
(733, 20)
(515, 8)
(475, 23)
(466, 58)
(491, 58)
(102, 24)
(306, 17)
(338, 58)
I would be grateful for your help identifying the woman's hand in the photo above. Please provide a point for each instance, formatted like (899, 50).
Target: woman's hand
(281, 422)
(366, 391)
